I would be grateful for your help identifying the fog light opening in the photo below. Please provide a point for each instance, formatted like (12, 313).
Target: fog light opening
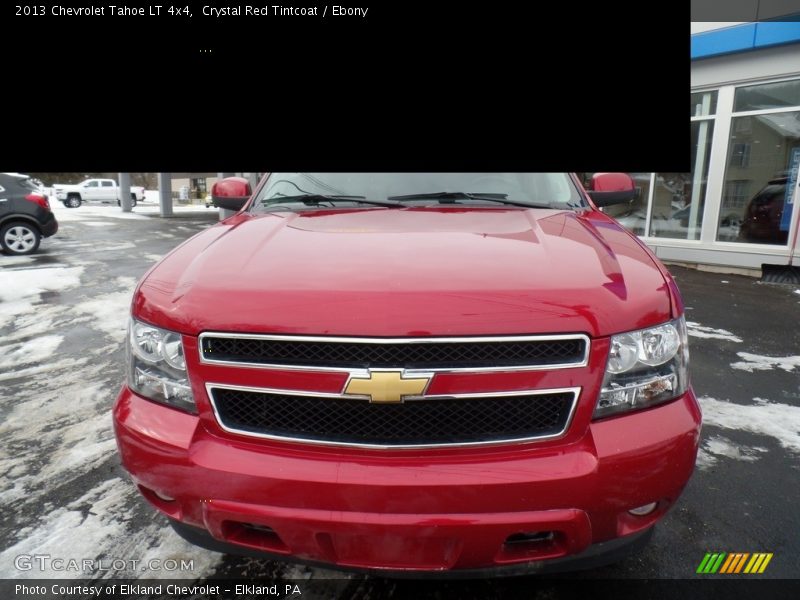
(646, 509)
(162, 502)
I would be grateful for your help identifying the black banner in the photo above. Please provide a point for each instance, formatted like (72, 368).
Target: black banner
(372, 588)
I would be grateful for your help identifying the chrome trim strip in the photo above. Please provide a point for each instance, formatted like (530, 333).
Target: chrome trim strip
(360, 340)
(575, 391)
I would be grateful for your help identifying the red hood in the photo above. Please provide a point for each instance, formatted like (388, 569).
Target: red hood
(403, 272)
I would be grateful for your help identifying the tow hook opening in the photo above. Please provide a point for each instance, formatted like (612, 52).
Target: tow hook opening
(254, 535)
(530, 537)
(532, 545)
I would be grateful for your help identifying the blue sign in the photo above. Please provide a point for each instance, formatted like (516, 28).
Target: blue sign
(788, 200)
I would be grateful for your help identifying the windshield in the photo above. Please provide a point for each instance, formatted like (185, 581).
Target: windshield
(301, 191)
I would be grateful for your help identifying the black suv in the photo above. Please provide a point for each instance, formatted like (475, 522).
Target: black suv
(25, 215)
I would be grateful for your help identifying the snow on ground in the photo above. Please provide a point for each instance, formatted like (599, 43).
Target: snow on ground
(33, 350)
(89, 213)
(41, 321)
(758, 362)
(10, 261)
(95, 526)
(109, 312)
(164, 544)
(772, 419)
(20, 289)
(722, 446)
(704, 459)
(148, 209)
(92, 213)
(70, 387)
(700, 331)
(71, 532)
(62, 333)
(76, 435)
(41, 368)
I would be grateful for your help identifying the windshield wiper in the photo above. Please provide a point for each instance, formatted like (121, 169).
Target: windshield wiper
(451, 197)
(318, 199)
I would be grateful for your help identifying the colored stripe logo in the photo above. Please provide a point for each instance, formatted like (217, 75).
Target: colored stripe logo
(734, 562)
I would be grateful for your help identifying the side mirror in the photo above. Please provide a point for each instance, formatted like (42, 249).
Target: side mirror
(231, 193)
(612, 188)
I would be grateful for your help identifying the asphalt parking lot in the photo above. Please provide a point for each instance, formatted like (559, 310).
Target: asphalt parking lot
(63, 314)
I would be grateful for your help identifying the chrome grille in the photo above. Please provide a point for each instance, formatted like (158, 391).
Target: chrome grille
(519, 352)
(424, 422)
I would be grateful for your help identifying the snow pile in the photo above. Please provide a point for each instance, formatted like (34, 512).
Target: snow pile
(772, 419)
(20, 289)
(757, 362)
(700, 331)
(109, 312)
(722, 446)
(30, 351)
(91, 213)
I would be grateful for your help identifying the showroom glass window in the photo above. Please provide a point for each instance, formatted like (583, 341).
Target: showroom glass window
(764, 139)
(678, 198)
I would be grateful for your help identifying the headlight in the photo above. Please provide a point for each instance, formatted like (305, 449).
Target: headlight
(645, 368)
(157, 366)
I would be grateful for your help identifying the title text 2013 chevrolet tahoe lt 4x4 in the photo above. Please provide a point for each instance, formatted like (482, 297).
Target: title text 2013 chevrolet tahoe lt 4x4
(412, 373)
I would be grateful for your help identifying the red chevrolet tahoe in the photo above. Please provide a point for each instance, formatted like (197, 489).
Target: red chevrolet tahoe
(471, 373)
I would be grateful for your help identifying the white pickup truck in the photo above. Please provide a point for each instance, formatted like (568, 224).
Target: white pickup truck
(98, 190)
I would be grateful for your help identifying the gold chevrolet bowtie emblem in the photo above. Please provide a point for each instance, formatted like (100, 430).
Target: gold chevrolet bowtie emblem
(387, 386)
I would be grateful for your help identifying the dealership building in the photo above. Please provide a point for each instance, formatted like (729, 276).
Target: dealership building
(735, 207)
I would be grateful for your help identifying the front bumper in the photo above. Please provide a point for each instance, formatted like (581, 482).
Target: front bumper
(596, 555)
(412, 511)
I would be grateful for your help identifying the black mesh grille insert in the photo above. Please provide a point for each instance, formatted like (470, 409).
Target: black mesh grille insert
(435, 421)
(428, 355)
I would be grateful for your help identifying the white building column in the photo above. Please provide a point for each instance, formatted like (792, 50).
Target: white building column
(125, 192)
(252, 178)
(715, 188)
(165, 194)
